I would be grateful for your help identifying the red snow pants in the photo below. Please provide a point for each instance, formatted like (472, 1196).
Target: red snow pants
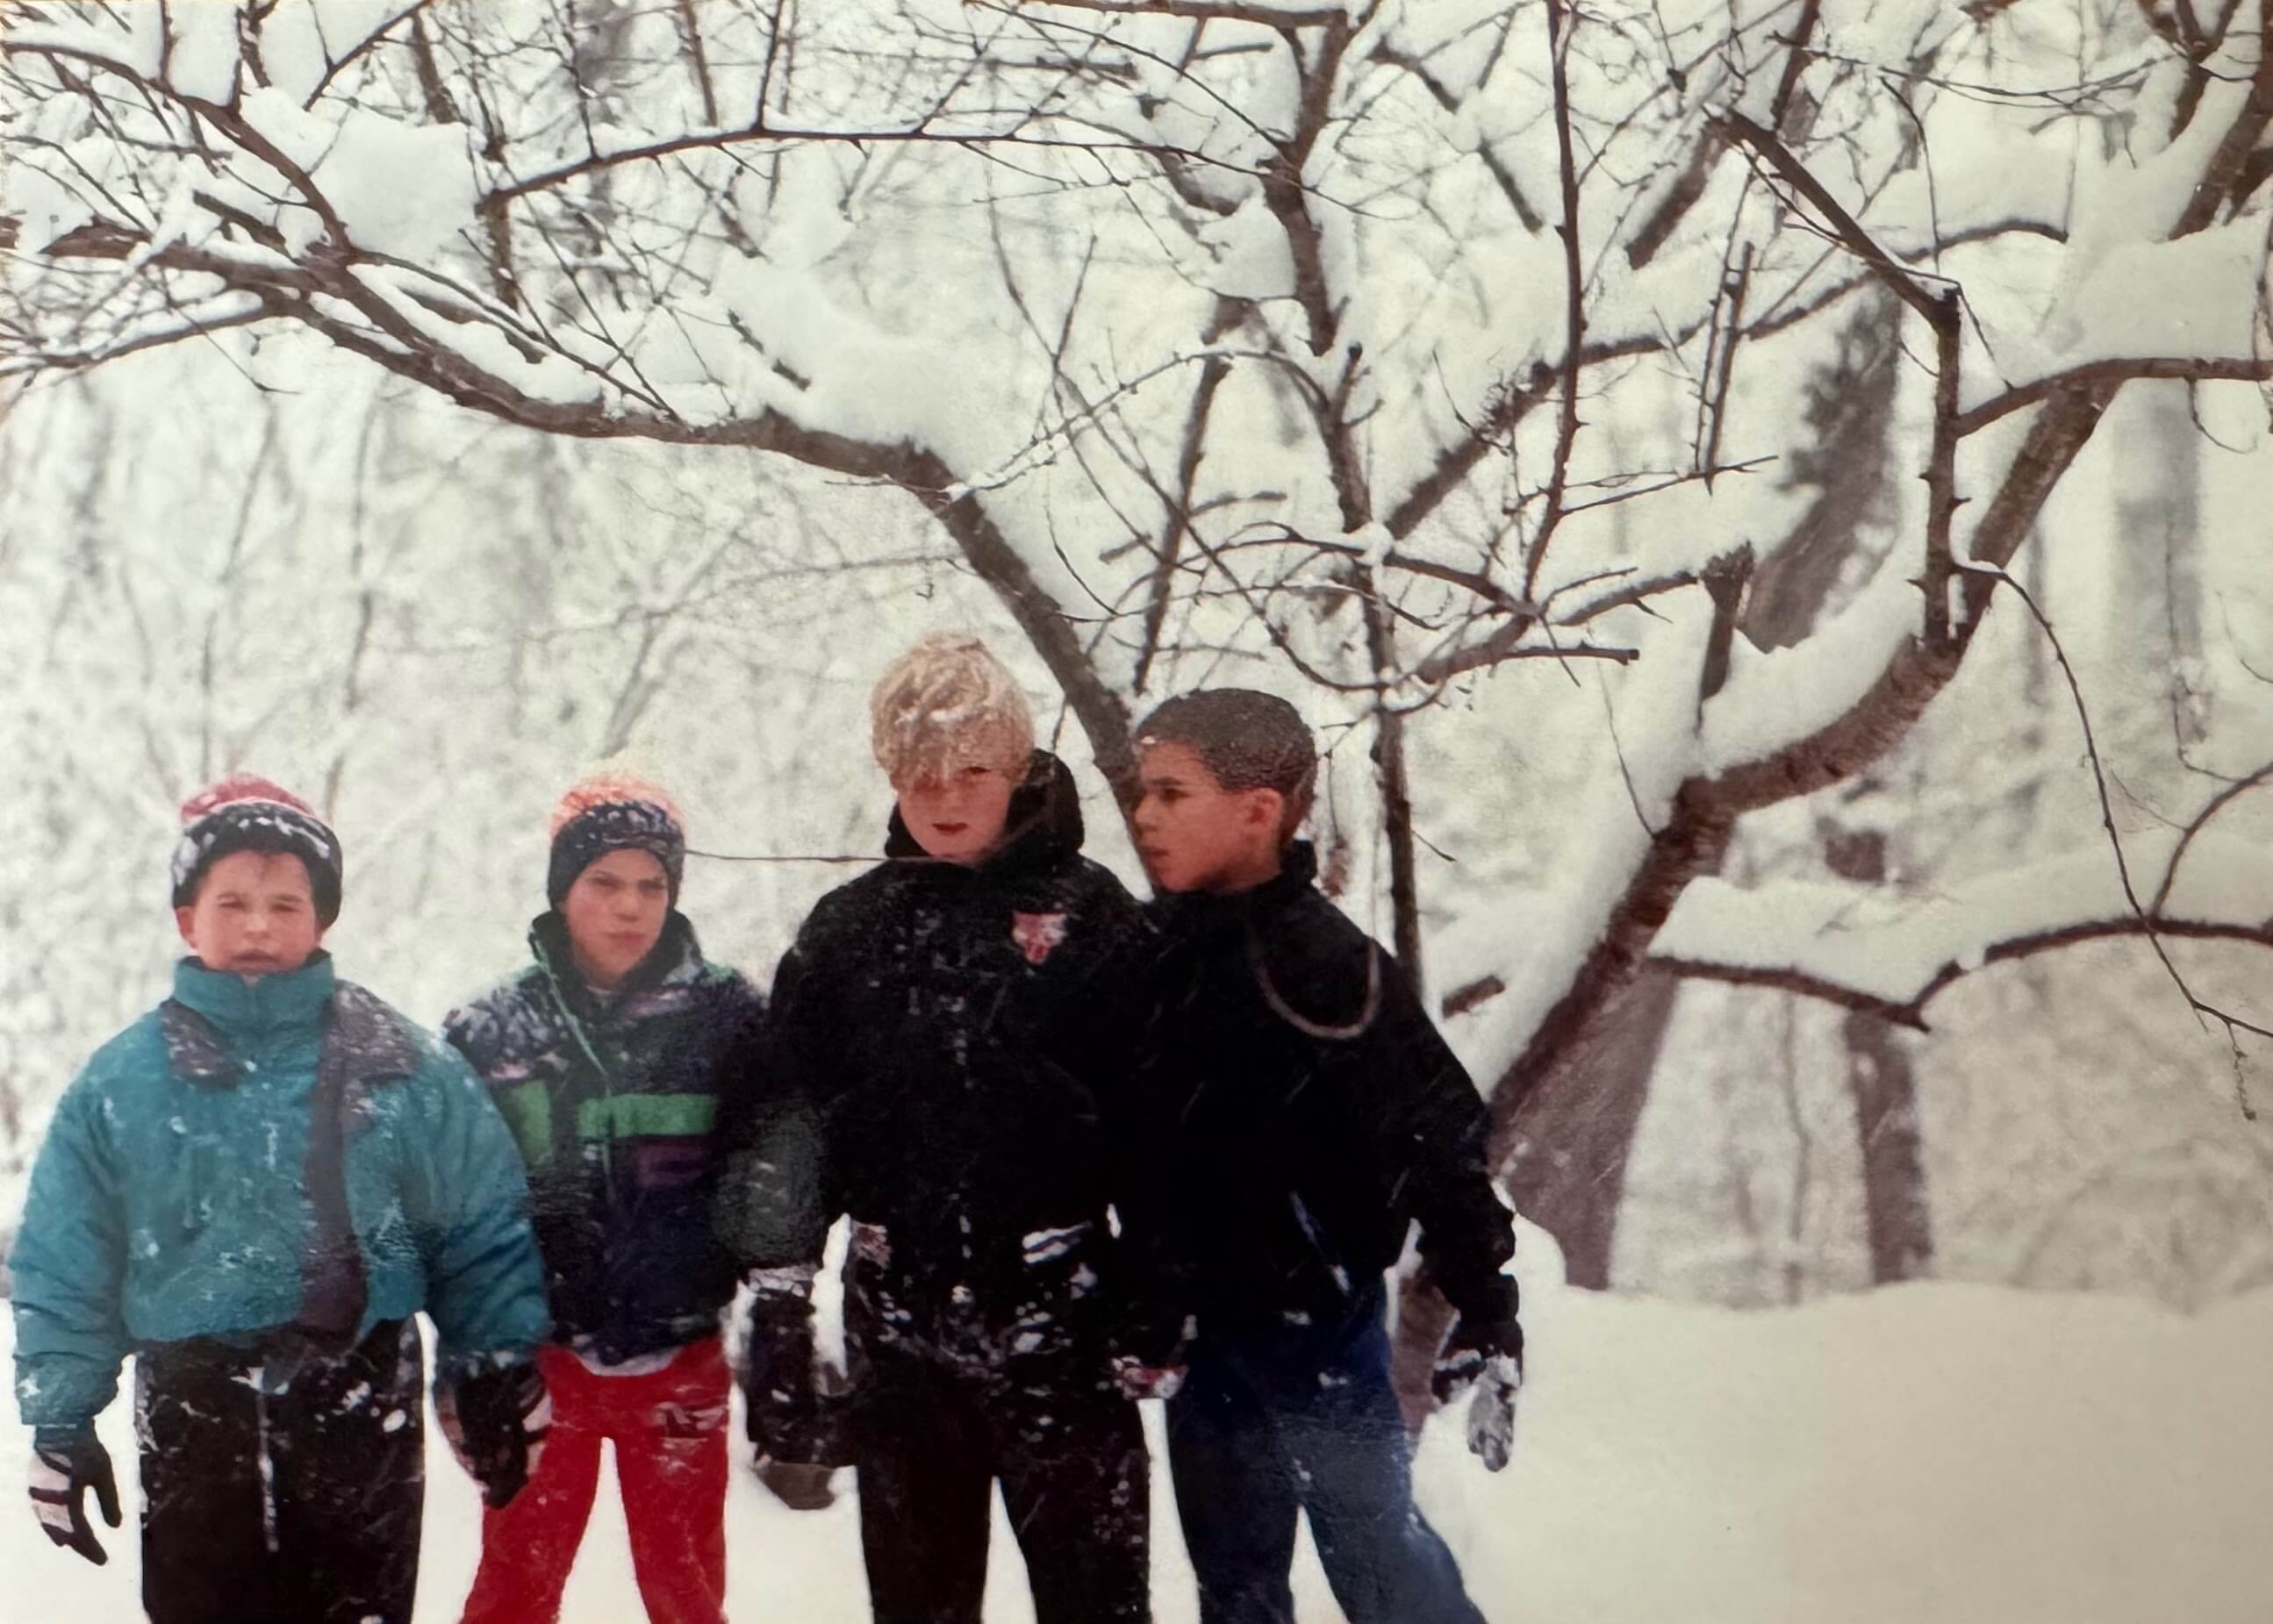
(670, 1431)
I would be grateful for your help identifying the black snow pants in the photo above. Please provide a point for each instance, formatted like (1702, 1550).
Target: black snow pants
(282, 1489)
(944, 1405)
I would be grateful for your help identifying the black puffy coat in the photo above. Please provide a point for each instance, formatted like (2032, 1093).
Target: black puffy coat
(947, 1047)
(1300, 1110)
(617, 1106)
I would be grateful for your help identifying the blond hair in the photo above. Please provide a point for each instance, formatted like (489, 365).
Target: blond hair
(946, 703)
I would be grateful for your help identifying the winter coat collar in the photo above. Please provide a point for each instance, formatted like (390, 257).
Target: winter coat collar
(213, 1011)
(237, 1008)
(675, 961)
(1323, 981)
(1043, 821)
(1202, 912)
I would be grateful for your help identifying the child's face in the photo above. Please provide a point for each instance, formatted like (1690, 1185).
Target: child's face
(615, 912)
(956, 815)
(1194, 835)
(255, 915)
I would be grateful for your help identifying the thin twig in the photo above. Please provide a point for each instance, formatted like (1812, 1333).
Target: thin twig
(1560, 26)
(2148, 926)
(2216, 804)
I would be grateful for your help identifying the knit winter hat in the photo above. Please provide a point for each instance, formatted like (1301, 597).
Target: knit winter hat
(614, 811)
(243, 812)
(946, 702)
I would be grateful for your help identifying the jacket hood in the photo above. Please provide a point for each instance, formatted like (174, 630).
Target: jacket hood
(1043, 824)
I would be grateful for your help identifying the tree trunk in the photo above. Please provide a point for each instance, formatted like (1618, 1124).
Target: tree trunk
(1884, 1087)
(1572, 1144)
(1570, 1135)
(1893, 1161)
(2155, 623)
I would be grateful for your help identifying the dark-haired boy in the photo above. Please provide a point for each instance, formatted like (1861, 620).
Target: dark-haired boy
(253, 1189)
(1305, 1111)
(603, 1056)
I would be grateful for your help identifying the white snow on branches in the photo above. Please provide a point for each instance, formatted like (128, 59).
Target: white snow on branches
(2122, 306)
(402, 190)
(132, 36)
(1772, 701)
(1888, 944)
(850, 377)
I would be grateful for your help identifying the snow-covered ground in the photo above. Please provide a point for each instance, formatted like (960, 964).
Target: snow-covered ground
(1933, 1452)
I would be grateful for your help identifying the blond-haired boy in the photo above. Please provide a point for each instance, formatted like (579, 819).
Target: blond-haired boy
(945, 1023)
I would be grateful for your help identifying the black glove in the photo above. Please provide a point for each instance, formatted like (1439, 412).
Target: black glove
(495, 1417)
(793, 1414)
(66, 1462)
(1484, 1354)
(798, 1485)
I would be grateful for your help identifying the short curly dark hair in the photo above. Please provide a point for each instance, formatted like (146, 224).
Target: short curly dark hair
(1246, 739)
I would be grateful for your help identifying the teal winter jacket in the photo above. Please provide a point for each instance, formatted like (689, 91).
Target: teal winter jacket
(173, 1196)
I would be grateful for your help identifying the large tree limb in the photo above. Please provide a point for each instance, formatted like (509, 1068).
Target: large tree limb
(1704, 810)
(1223, 10)
(1850, 231)
(1910, 1011)
(1871, 949)
(403, 350)
(2194, 369)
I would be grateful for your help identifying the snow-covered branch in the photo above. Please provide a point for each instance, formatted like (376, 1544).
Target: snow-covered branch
(1875, 949)
(1260, 12)
(2191, 369)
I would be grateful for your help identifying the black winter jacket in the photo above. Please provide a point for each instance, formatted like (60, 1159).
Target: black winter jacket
(1300, 1110)
(952, 1041)
(616, 1106)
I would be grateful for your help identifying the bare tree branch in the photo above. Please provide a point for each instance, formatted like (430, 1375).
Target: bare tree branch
(1850, 231)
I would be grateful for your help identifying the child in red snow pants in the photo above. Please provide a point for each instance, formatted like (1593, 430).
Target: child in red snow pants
(669, 1427)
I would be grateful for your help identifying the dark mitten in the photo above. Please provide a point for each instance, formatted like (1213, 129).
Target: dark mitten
(66, 1462)
(1146, 1330)
(495, 1417)
(793, 1415)
(799, 1486)
(1484, 1356)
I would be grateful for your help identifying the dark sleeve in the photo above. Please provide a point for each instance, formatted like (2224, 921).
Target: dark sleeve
(1434, 1136)
(737, 1035)
(457, 1032)
(1155, 1294)
(476, 1028)
(774, 1202)
(774, 1194)
(1108, 1008)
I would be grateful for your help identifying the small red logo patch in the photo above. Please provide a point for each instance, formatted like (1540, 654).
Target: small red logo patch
(1036, 933)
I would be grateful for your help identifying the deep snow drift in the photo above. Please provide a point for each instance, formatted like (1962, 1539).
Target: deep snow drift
(1939, 1452)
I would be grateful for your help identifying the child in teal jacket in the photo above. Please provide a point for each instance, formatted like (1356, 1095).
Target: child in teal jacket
(253, 1189)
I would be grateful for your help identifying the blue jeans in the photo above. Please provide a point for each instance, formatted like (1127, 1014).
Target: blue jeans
(1285, 1418)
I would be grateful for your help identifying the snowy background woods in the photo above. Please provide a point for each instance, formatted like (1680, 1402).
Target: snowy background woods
(1627, 429)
